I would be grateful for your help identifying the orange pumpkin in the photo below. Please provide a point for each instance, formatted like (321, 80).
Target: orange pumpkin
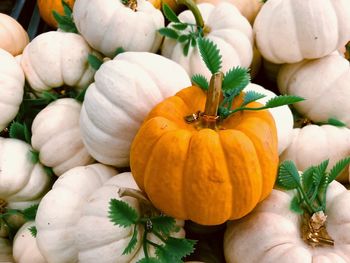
(47, 6)
(205, 171)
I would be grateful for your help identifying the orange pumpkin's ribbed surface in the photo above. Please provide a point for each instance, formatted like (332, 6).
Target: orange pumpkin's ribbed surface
(47, 6)
(204, 175)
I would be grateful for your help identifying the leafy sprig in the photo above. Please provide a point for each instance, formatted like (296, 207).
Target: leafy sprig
(311, 185)
(171, 249)
(65, 22)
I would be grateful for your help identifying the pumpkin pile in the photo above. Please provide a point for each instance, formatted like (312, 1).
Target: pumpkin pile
(136, 131)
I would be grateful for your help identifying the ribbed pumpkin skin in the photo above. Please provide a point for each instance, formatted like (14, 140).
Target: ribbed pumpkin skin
(47, 6)
(204, 175)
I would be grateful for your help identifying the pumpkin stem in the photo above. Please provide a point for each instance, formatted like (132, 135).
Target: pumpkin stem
(3, 205)
(314, 231)
(210, 116)
(191, 5)
(347, 51)
(132, 4)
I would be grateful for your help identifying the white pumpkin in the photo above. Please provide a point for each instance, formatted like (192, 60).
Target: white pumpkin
(313, 144)
(125, 90)
(11, 88)
(228, 29)
(324, 83)
(282, 115)
(56, 136)
(105, 242)
(288, 31)
(119, 25)
(54, 59)
(61, 208)
(22, 182)
(271, 233)
(6, 251)
(25, 249)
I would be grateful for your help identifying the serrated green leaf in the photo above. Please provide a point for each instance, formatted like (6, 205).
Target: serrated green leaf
(169, 13)
(163, 224)
(307, 180)
(20, 131)
(168, 32)
(174, 249)
(121, 213)
(33, 231)
(210, 54)
(295, 206)
(34, 156)
(338, 168)
(288, 176)
(179, 26)
(149, 260)
(94, 61)
(251, 96)
(283, 100)
(132, 243)
(200, 81)
(186, 48)
(30, 212)
(320, 172)
(335, 122)
(235, 80)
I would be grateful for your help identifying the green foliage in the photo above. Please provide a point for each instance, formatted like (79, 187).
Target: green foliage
(251, 96)
(295, 205)
(94, 61)
(235, 80)
(332, 121)
(169, 32)
(170, 14)
(200, 81)
(338, 168)
(121, 213)
(282, 100)
(33, 231)
(169, 249)
(118, 51)
(288, 176)
(34, 156)
(210, 54)
(30, 212)
(20, 131)
(65, 22)
(80, 97)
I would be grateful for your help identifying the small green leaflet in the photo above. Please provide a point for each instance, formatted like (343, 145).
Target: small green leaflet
(34, 156)
(20, 131)
(121, 213)
(175, 249)
(33, 231)
(168, 32)
(132, 243)
(210, 54)
(163, 225)
(282, 100)
(169, 13)
(288, 176)
(200, 81)
(333, 121)
(235, 80)
(118, 51)
(94, 61)
(30, 212)
(338, 168)
(251, 96)
(65, 22)
(295, 205)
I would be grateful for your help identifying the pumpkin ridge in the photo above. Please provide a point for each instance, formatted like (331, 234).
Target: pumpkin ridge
(33, 72)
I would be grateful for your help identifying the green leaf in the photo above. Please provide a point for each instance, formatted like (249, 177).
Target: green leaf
(65, 23)
(179, 26)
(80, 97)
(48, 96)
(34, 156)
(132, 243)
(235, 80)
(20, 131)
(30, 212)
(335, 122)
(320, 172)
(338, 168)
(288, 176)
(251, 96)
(121, 213)
(210, 54)
(193, 42)
(307, 179)
(170, 14)
(200, 81)
(186, 48)
(282, 100)
(49, 171)
(175, 249)
(118, 51)
(33, 231)
(149, 260)
(163, 224)
(94, 61)
(295, 206)
(183, 38)
(67, 9)
(168, 32)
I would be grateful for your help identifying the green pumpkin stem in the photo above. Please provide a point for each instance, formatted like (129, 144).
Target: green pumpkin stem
(191, 5)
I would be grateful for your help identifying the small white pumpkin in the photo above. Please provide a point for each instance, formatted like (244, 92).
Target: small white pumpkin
(271, 233)
(22, 182)
(105, 242)
(125, 90)
(25, 249)
(6, 251)
(133, 27)
(312, 144)
(283, 116)
(56, 136)
(54, 59)
(324, 83)
(228, 29)
(60, 210)
(288, 31)
(11, 88)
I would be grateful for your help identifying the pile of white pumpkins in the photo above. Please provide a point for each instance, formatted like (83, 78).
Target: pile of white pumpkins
(298, 45)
